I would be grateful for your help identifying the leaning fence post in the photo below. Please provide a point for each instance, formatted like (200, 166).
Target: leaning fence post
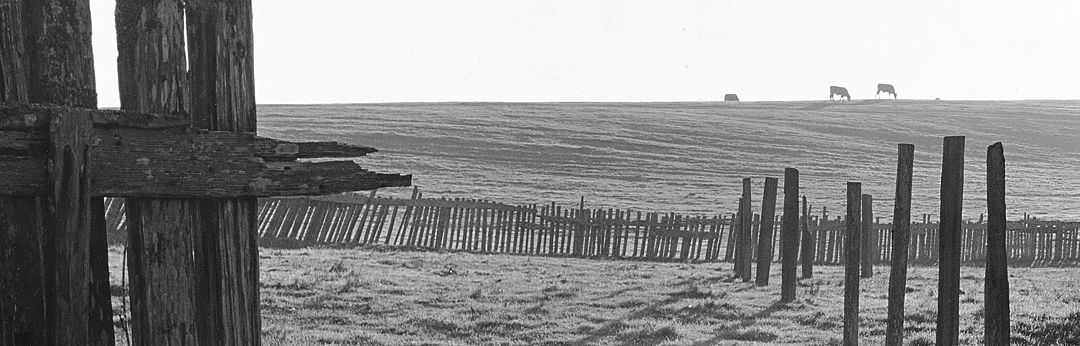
(952, 203)
(996, 289)
(894, 330)
(789, 235)
(851, 269)
(765, 234)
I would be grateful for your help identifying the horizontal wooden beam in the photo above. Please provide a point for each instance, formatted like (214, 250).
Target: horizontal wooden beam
(146, 155)
(25, 116)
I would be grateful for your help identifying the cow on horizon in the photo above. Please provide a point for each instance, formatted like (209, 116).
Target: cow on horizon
(838, 91)
(886, 88)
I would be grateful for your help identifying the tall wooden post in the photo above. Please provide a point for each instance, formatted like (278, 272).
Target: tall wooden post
(869, 238)
(61, 295)
(809, 245)
(152, 70)
(743, 250)
(894, 330)
(952, 203)
(220, 55)
(765, 233)
(22, 302)
(996, 293)
(789, 235)
(851, 270)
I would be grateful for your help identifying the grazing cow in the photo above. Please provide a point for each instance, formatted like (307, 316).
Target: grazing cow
(886, 88)
(731, 97)
(838, 91)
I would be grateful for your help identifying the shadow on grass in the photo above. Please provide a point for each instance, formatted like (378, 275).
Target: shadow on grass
(710, 310)
(736, 332)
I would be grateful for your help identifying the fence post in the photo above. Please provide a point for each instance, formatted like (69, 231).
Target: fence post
(851, 269)
(743, 250)
(227, 256)
(789, 235)
(765, 233)
(869, 239)
(808, 246)
(57, 275)
(952, 203)
(733, 232)
(894, 329)
(996, 292)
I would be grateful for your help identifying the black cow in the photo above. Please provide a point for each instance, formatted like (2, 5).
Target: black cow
(886, 88)
(839, 91)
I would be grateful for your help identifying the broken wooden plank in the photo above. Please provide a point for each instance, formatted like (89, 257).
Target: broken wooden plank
(135, 154)
(240, 178)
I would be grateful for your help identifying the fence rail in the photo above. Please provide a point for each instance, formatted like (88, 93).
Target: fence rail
(484, 226)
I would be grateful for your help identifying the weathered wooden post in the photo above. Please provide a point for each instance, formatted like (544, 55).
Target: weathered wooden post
(894, 329)
(765, 234)
(789, 236)
(808, 244)
(59, 291)
(869, 239)
(743, 250)
(952, 203)
(996, 293)
(221, 63)
(22, 302)
(152, 70)
(851, 270)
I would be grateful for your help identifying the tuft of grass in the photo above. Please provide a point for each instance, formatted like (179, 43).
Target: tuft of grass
(1047, 330)
(351, 284)
(751, 334)
(651, 336)
(338, 267)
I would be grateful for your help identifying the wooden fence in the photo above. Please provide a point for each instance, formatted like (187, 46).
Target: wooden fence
(483, 226)
(1029, 243)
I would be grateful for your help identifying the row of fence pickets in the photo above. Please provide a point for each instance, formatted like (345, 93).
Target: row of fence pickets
(489, 227)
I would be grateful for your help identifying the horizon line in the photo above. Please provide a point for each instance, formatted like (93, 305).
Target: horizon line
(662, 101)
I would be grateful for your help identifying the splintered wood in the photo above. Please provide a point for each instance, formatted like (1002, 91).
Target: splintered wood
(138, 154)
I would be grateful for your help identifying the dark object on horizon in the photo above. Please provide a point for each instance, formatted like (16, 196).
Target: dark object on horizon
(839, 91)
(885, 88)
(731, 97)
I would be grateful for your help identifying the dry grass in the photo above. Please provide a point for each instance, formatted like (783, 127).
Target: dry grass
(369, 297)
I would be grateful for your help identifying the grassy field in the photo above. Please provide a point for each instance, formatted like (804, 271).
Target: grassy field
(375, 297)
(690, 157)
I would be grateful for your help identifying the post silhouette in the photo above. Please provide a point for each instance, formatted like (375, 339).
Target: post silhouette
(789, 235)
(851, 269)
(894, 329)
(765, 233)
(996, 292)
(950, 228)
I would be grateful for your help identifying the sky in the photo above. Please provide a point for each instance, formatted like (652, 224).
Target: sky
(348, 51)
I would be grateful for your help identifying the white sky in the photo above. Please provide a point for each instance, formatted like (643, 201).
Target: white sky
(344, 51)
